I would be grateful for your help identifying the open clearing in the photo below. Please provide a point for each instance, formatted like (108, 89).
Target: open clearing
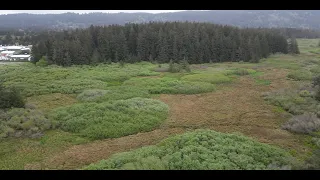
(236, 106)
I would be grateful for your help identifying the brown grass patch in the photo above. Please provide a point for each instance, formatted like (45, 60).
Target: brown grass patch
(81, 155)
(51, 101)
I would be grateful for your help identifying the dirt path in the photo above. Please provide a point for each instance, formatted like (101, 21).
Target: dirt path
(237, 107)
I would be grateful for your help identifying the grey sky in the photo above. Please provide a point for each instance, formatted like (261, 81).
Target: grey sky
(80, 11)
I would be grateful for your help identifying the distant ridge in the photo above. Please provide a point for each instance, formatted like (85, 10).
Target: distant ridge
(306, 19)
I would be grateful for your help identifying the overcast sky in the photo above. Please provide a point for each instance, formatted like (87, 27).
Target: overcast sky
(80, 11)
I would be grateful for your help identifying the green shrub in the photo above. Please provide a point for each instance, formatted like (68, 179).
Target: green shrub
(300, 75)
(294, 101)
(174, 67)
(316, 83)
(91, 95)
(200, 150)
(241, 71)
(32, 80)
(42, 62)
(305, 93)
(110, 120)
(305, 123)
(313, 163)
(315, 70)
(10, 97)
(19, 122)
(168, 85)
(215, 78)
(113, 93)
(184, 65)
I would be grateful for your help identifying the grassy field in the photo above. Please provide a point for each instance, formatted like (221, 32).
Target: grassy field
(99, 111)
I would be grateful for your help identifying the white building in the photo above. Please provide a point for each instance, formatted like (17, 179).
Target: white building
(7, 53)
(20, 57)
(14, 48)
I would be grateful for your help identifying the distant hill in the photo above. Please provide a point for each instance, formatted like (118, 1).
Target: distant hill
(309, 19)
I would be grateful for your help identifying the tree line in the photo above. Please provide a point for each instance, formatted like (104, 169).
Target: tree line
(159, 42)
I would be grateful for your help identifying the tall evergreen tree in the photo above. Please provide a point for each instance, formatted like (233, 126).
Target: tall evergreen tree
(122, 48)
(293, 46)
(264, 46)
(162, 47)
(132, 41)
(96, 57)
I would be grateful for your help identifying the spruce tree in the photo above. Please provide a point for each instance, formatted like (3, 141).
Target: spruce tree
(163, 48)
(293, 46)
(67, 59)
(257, 46)
(96, 57)
(142, 49)
(132, 41)
(185, 65)
(109, 61)
(175, 53)
(36, 54)
(171, 68)
(122, 48)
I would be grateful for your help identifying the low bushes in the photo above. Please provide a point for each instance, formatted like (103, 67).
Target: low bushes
(315, 69)
(200, 150)
(19, 122)
(112, 93)
(214, 78)
(305, 123)
(110, 120)
(42, 62)
(241, 71)
(168, 85)
(10, 97)
(294, 101)
(300, 75)
(33, 80)
(91, 95)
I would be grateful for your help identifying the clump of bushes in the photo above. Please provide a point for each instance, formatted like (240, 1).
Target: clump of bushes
(200, 150)
(42, 62)
(305, 123)
(91, 95)
(313, 163)
(294, 101)
(111, 119)
(305, 93)
(20, 122)
(316, 83)
(214, 78)
(168, 85)
(174, 67)
(300, 75)
(241, 71)
(10, 97)
(32, 80)
(113, 93)
(179, 67)
(315, 70)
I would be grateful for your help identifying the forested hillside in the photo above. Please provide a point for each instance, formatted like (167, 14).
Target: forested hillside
(308, 19)
(161, 42)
